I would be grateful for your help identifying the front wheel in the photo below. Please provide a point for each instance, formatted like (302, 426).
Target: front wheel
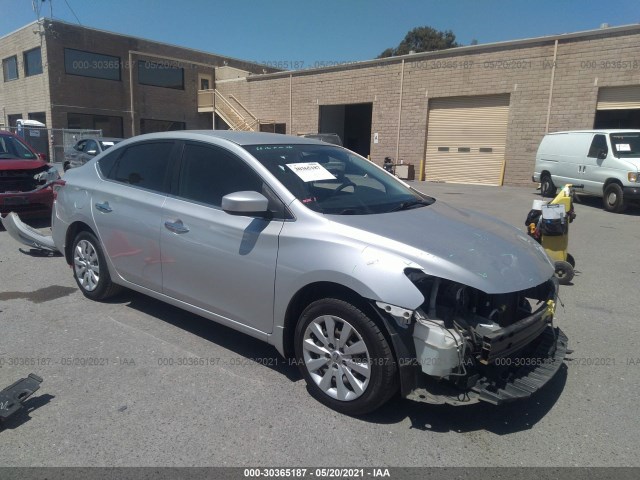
(344, 357)
(90, 268)
(547, 188)
(613, 198)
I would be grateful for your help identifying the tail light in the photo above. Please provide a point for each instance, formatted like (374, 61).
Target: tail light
(56, 186)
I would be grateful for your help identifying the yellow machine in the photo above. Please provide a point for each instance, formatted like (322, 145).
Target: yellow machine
(553, 233)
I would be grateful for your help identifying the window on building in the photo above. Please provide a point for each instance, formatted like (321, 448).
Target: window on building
(111, 126)
(598, 146)
(38, 116)
(160, 75)
(32, 62)
(10, 68)
(144, 165)
(13, 119)
(89, 64)
(148, 125)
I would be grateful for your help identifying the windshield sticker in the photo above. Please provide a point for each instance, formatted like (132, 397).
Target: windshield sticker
(311, 172)
(623, 147)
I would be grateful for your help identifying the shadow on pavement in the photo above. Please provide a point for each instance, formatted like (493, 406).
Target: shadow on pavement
(240, 343)
(22, 416)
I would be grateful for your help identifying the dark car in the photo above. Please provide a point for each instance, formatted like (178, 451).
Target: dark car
(85, 149)
(24, 174)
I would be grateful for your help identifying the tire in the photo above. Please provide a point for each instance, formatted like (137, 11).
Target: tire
(564, 272)
(66, 166)
(90, 268)
(613, 198)
(369, 370)
(547, 188)
(571, 261)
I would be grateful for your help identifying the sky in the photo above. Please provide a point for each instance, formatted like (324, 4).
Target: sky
(305, 34)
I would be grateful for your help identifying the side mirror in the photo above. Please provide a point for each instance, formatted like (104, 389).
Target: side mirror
(602, 154)
(251, 204)
(42, 156)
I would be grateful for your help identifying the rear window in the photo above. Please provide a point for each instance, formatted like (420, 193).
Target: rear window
(12, 148)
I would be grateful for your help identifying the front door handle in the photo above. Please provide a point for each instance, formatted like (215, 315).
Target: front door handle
(104, 207)
(176, 227)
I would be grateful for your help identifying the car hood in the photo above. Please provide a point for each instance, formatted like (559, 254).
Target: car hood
(459, 245)
(17, 164)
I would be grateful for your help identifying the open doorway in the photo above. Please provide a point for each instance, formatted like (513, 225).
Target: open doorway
(352, 122)
(617, 118)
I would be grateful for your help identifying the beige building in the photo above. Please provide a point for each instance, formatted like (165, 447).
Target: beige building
(69, 76)
(472, 114)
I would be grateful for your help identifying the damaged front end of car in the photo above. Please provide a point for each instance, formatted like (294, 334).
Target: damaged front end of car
(463, 345)
(27, 190)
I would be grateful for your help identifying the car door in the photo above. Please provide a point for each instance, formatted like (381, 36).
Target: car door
(222, 263)
(127, 209)
(591, 170)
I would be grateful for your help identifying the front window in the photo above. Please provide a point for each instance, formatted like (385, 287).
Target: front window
(333, 180)
(12, 148)
(625, 144)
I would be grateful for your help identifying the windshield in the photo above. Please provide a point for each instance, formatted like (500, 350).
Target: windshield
(104, 144)
(625, 144)
(333, 180)
(12, 148)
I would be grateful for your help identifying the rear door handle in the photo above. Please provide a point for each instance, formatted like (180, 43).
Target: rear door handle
(176, 227)
(104, 207)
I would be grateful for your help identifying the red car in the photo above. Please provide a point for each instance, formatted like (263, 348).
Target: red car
(24, 175)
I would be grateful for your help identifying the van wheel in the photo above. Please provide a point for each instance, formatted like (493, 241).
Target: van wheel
(613, 198)
(344, 357)
(547, 188)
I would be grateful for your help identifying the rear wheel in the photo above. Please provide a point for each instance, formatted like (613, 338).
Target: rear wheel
(547, 188)
(344, 357)
(90, 268)
(564, 272)
(613, 198)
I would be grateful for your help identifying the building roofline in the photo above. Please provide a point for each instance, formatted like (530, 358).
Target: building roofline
(453, 51)
(35, 22)
(203, 52)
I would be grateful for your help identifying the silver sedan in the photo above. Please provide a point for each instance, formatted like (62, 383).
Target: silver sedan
(371, 287)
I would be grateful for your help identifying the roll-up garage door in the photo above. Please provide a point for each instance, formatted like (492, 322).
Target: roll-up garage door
(466, 139)
(619, 98)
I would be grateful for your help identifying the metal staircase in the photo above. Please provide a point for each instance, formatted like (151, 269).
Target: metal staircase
(237, 116)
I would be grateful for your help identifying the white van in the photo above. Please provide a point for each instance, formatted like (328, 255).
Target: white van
(606, 162)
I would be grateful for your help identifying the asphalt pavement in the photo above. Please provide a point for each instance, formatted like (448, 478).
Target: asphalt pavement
(135, 382)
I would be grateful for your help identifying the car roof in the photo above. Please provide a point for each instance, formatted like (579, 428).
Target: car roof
(606, 131)
(237, 137)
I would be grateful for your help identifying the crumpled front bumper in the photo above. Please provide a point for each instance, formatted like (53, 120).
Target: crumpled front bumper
(510, 378)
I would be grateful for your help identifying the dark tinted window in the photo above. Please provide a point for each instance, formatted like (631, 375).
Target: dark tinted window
(148, 125)
(10, 68)
(144, 165)
(210, 173)
(91, 145)
(106, 163)
(32, 62)
(599, 144)
(110, 126)
(160, 75)
(89, 64)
